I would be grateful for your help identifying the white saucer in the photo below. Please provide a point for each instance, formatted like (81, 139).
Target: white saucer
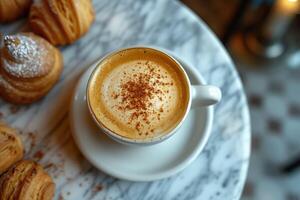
(140, 163)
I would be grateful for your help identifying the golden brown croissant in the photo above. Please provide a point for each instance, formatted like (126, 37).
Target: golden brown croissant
(29, 68)
(61, 21)
(11, 148)
(26, 181)
(13, 9)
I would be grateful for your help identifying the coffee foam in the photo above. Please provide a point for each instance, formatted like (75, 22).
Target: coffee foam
(138, 93)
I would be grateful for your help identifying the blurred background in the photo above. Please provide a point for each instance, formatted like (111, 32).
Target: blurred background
(263, 38)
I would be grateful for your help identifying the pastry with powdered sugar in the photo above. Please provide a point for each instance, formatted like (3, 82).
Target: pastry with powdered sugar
(29, 68)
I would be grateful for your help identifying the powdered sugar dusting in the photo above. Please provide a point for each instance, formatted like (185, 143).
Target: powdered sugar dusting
(21, 47)
(28, 56)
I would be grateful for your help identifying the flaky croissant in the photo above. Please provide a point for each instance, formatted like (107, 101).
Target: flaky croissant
(61, 21)
(11, 147)
(29, 68)
(13, 9)
(26, 181)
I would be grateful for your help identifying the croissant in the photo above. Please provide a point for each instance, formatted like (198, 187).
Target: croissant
(11, 148)
(26, 181)
(61, 21)
(13, 9)
(29, 68)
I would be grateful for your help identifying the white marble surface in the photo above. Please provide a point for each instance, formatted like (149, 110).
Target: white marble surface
(218, 173)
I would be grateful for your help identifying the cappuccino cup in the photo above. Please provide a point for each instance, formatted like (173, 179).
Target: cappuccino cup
(142, 95)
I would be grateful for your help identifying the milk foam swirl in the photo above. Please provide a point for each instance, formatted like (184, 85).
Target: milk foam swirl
(139, 96)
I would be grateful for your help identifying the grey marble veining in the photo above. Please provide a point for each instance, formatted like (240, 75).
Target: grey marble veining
(220, 170)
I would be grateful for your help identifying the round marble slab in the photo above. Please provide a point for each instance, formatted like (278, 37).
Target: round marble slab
(220, 170)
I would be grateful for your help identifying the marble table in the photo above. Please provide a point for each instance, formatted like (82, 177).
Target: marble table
(220, 170)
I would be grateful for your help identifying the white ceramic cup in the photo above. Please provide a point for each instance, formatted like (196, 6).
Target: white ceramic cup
(199, 96)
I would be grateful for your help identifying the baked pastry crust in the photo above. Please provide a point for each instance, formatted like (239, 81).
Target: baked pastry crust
(26, 181)
(11, 147)
(13, 9)
(61, 22)
(29, 68)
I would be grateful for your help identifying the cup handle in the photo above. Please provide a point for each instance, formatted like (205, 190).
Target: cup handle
(205, 95)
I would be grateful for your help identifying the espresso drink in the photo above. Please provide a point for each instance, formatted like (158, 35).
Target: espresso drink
(138, 93)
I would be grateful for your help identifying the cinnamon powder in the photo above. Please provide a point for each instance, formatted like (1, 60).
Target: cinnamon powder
(137, 93)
